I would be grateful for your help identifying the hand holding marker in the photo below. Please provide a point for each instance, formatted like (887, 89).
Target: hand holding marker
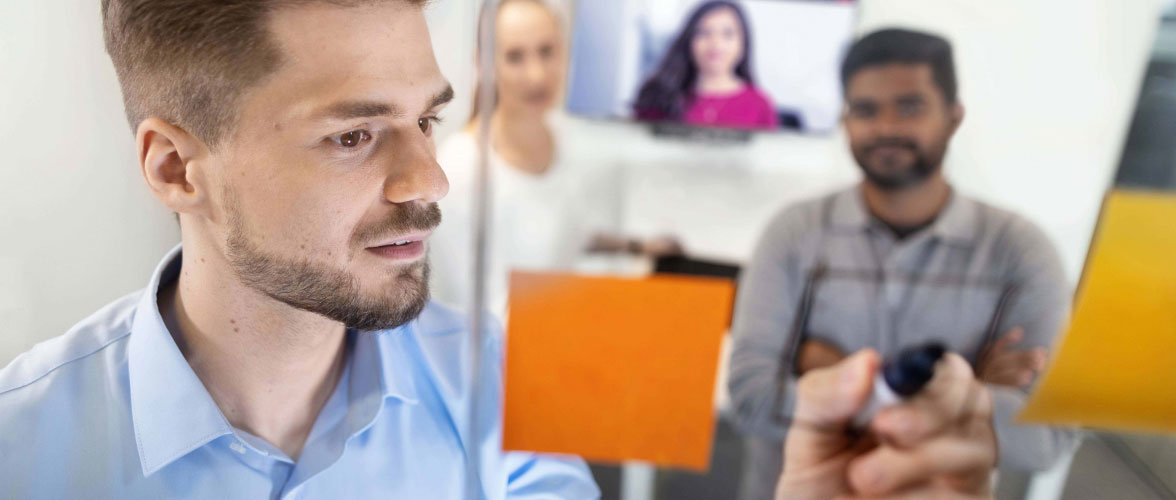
(901, 377)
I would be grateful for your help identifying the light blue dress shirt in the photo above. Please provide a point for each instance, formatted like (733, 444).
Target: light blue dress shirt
(111, 410)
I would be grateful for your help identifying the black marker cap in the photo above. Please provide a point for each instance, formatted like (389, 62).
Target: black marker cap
(908, 372)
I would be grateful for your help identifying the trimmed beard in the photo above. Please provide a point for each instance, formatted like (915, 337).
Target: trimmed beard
(914, 174)
(333, 293)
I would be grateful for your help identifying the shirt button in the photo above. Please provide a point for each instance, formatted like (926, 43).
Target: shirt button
(237, 447)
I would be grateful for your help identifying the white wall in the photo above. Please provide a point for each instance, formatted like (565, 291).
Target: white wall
(1049, 86)
(78, 227)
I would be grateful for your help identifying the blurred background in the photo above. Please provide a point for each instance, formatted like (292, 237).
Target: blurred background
(1063, 98)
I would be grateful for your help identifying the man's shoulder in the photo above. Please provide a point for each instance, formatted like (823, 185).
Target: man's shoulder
(806, 216)
(1014, 244)
(77, 350)
(64, 402)
(1008, 229)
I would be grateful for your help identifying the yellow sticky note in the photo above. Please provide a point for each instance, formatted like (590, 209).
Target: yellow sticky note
(614, 369)
(1116, 367)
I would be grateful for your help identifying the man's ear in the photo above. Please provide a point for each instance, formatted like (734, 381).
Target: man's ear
(956, 115)
(172, 162)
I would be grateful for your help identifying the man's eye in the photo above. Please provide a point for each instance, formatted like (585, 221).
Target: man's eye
(352, 139)
(426, 124)
(862, 111)
(910, 108)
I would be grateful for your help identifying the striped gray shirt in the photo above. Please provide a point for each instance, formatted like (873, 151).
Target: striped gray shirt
(969, 277)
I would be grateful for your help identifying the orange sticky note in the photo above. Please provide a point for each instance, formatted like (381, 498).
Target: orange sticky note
(614, 369)
(1115, 367)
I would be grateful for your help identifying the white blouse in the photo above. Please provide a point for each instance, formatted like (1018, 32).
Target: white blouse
(538, 222)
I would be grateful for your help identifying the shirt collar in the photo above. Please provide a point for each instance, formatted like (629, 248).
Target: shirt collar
(402, 348)
(381, 362)
(956, 222)
(172, 411)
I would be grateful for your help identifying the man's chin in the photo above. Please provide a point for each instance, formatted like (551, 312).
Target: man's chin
(896, 178)
(387, 309)
(393, 300)
(370, 300)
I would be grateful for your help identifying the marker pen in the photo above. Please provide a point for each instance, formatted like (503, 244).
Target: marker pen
(900, 377)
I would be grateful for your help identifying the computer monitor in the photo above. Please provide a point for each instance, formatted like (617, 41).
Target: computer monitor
(763, 65)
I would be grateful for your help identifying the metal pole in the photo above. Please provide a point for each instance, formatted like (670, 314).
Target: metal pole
(486, 95)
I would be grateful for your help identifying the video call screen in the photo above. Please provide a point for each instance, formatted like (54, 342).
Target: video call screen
(764, 65)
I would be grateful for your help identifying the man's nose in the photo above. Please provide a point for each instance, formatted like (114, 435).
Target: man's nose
(415, 175)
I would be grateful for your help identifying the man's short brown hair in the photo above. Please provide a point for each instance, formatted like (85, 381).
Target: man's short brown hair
(188, 62)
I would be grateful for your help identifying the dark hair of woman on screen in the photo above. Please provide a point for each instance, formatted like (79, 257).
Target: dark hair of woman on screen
(706, 77)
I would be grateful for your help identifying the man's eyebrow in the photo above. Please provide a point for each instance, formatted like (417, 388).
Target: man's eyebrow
(442, 97)
(349, 110)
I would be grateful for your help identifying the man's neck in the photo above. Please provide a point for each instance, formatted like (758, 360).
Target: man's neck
(269, 367)
(913, 206)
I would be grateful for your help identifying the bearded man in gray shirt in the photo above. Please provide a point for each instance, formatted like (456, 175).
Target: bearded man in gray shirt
(899, 260)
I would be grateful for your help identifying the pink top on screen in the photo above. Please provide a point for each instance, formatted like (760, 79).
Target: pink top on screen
(746, 108)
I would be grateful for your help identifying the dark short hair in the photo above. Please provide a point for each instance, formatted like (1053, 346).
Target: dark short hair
(188, 62)
(899, 46)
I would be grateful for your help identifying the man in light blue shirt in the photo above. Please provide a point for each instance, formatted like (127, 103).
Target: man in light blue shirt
(113, 410)
(287, 349)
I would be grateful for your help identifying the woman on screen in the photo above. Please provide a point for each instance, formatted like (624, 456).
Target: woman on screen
(552, 201)
(705, 77)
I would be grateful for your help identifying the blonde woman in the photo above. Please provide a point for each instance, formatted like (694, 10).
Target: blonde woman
(551, 204)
